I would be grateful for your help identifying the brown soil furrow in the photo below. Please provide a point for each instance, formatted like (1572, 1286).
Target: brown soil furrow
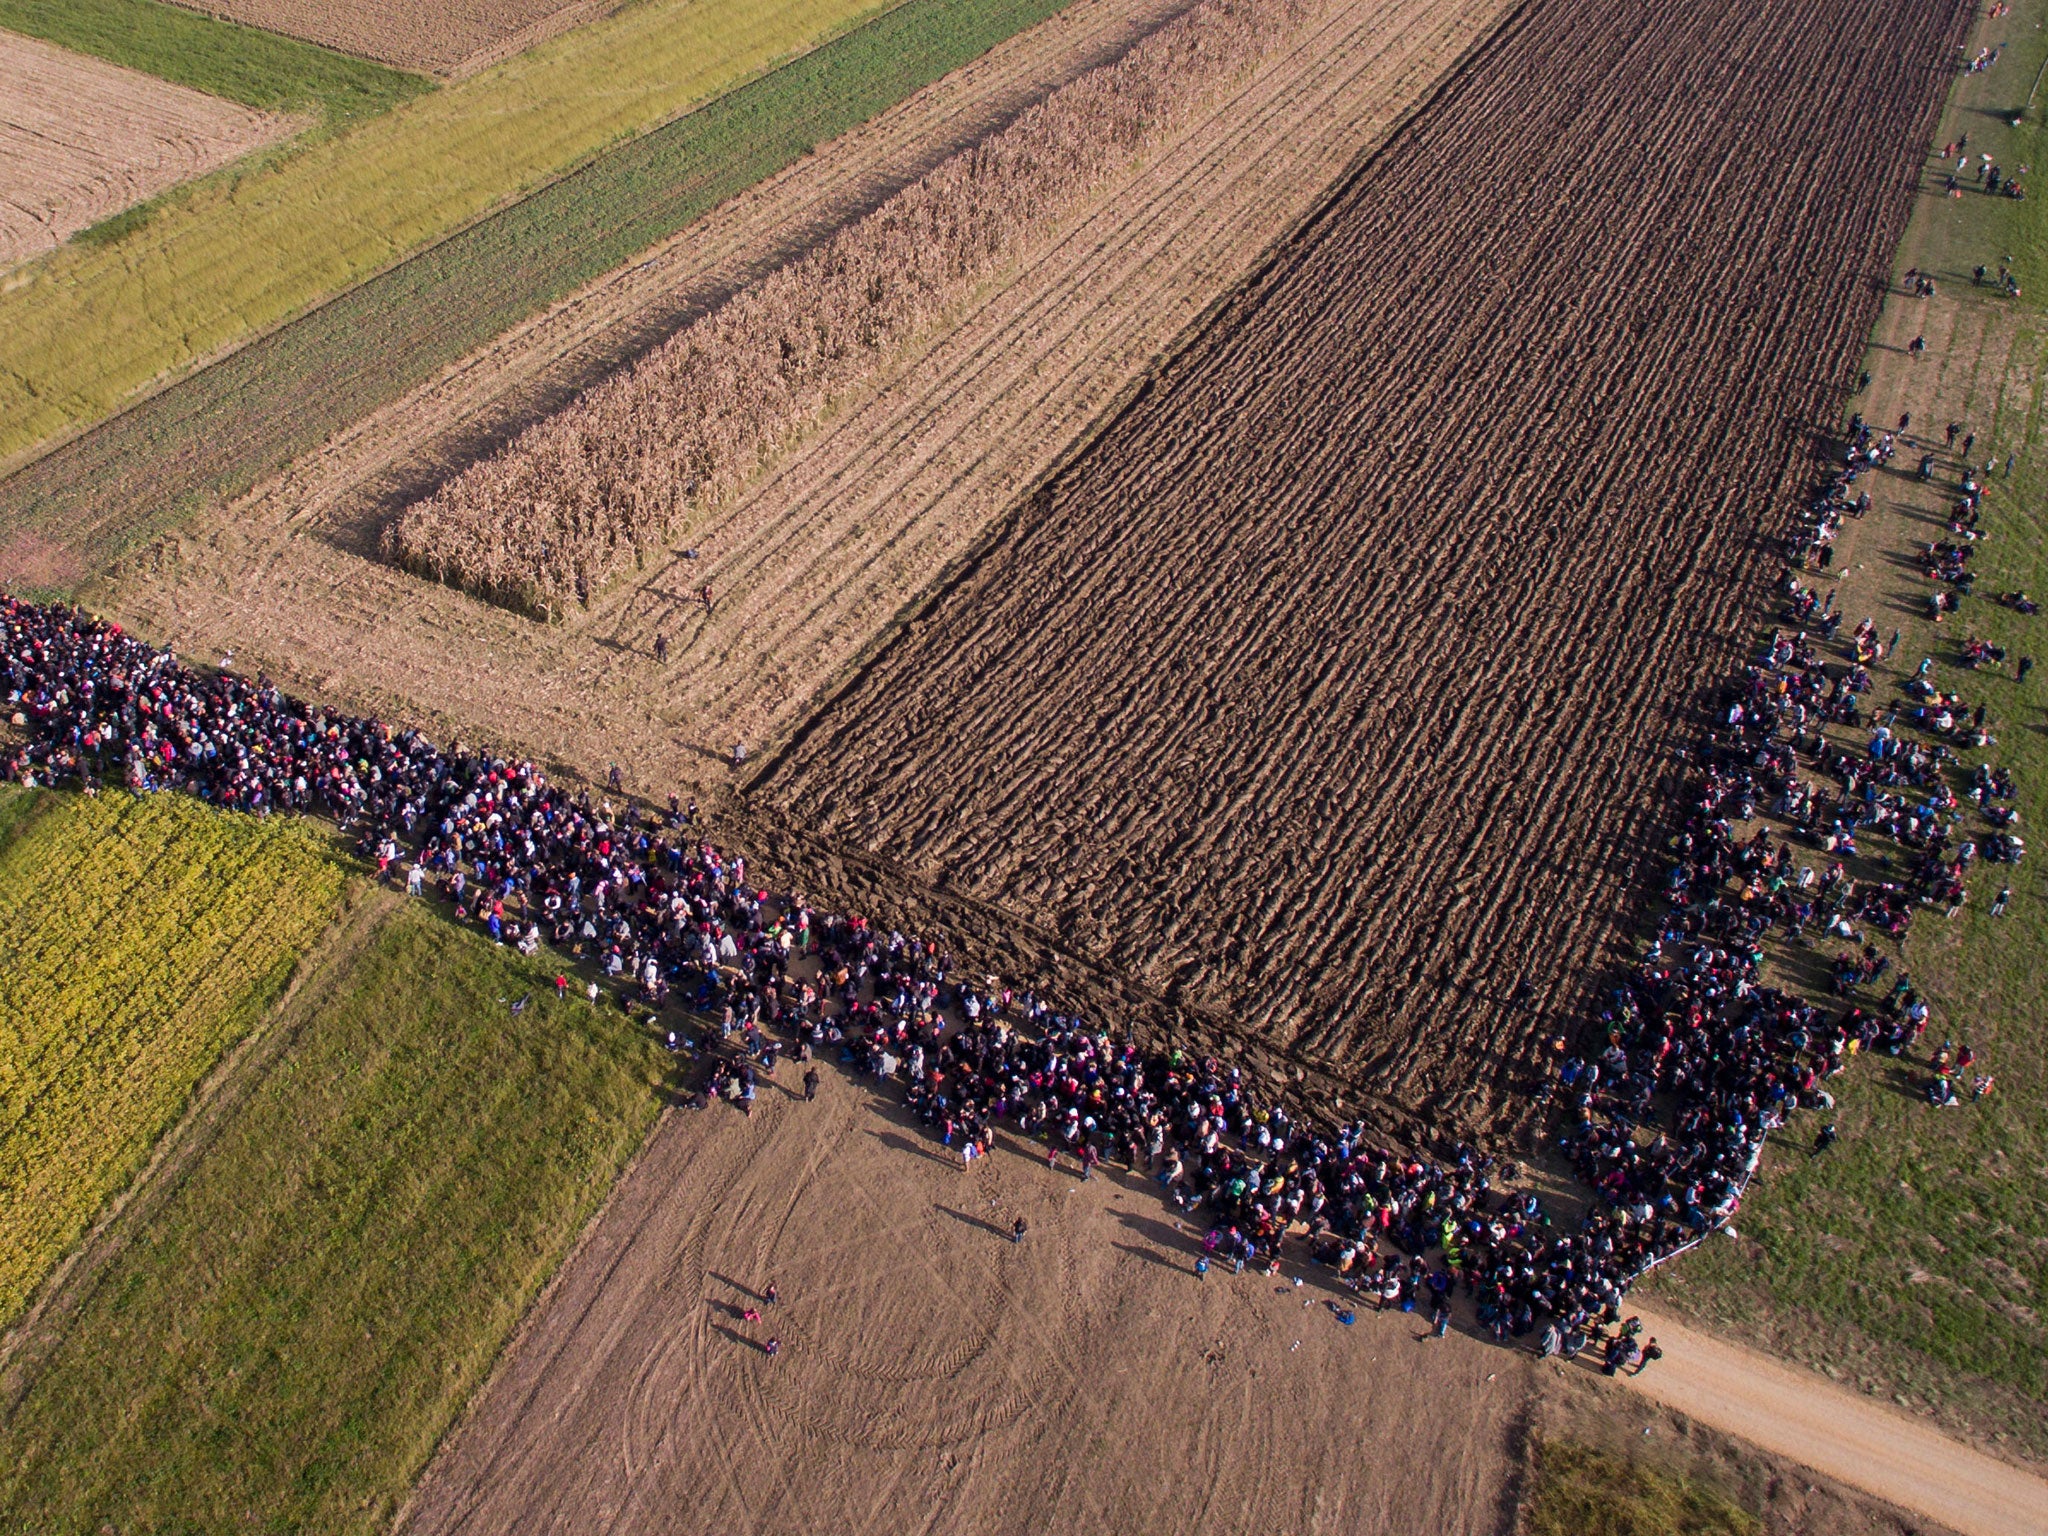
(860, 519)
(1012, 365)
(82, 139)
(1324, 690)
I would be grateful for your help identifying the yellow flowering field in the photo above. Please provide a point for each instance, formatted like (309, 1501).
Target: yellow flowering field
(139, 939)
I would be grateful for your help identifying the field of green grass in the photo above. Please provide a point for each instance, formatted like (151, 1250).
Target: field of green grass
(259, 69)
(287, 1335)
(85, 327)
(139, 939)
(215, 433)
(1581, 1490)
(1911, 1259)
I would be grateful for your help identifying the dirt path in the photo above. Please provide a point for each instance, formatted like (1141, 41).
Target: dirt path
(1801, 1416)
(933, 1376)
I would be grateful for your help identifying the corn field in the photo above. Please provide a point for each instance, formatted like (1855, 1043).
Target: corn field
(587, 493)
(139, 939)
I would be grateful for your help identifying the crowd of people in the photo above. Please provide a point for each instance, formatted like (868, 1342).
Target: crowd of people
(1691, 1061)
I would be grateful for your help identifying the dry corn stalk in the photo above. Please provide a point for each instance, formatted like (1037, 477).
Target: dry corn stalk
(576, 498)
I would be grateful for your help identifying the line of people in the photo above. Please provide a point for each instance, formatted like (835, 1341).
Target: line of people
(1691, 1060)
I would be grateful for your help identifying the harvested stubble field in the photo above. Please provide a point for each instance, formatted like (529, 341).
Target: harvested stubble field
(81, 140)
(444, 37)
(852, 525)
(594, 490)
(213, 434)
(1328, 693)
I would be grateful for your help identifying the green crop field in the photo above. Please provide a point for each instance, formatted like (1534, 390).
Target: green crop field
(1911, 1259)
(139, 939)
(259, 69)
(85, 327)
(213, 434)
(285, 1338)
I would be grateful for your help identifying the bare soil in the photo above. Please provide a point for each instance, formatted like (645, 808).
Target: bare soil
(81, 139)
(443, 37)
(852, 525)
(934, 1376)
(1333, 690)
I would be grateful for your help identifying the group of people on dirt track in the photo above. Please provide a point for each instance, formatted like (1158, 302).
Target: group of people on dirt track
(1691, 1061)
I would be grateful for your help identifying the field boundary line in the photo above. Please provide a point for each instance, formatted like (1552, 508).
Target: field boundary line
(35, 1337)
(510, 1347)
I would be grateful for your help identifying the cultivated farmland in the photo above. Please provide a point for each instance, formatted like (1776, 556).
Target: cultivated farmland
(1290, 697)
(214, 433)
(811, 563)
(297, 1320)
(80, 140)
(139, 939)
(94, 325)
(585, 495)
(258, 69)
(441, 36)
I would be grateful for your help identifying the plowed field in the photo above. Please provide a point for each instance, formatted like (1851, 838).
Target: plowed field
(81, 139)
(1327, 691)
(449, 37)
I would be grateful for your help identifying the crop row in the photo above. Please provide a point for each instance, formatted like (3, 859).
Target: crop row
(88, 326)
(581, 496)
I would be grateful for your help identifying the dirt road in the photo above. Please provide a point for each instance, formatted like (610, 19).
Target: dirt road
(1801, 1416)
(934, 1376)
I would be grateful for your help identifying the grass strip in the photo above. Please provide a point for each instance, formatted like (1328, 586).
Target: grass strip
(216, 433)
(1911, 1260)
(285, 1339)
(84, 328)
(257, 68)
(139, 939)
(1578, 1490)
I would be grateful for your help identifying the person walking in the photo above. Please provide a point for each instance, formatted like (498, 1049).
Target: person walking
(1017, 1230)
(1651, 1351)
(810, 1085)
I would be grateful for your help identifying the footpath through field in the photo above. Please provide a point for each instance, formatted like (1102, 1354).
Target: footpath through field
(1793, 1413)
